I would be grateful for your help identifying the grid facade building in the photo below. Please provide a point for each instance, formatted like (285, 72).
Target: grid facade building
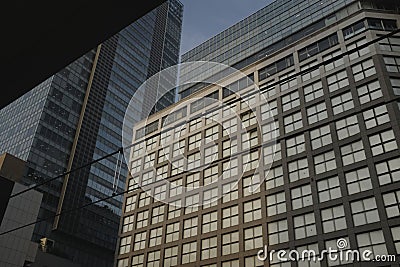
(306, 161)
(75, 117)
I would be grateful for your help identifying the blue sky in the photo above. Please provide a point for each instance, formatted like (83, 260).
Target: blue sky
(203, 19)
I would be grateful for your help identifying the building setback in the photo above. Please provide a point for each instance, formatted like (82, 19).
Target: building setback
(335, 133)
(76, 116)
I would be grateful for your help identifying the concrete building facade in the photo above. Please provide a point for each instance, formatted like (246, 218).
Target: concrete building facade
(294, 160)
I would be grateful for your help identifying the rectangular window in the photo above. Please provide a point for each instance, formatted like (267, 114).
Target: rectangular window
(364, 211)
(313, 91)
(155, 237)
(337, 81)
(253, 238)
(192, 181)
(175, 187)
(274, 178)
(230, 192)
(317, 113)
(250, 160)
(310, 75)
(354, 29)
(163, 154)
(272, 153)
(392, 204)
(142, 219)
(376, 116)
(193, 161)
(252, 210)
(195, 124)
(333, 219)
(301, 197)
(189, 251)
(359, 52)
(144, 199)
(151, 143)
(276, 204)
(209, 248)
(229, 127)
(363, 70)
(270, 131)
(383, 142)
(178, 148)
(304, 226)
(210, 222)
(210, 198)
(210, 175)
(268, 90)
(230, 216)
(153, 259)
(130, 203)
(211, 134)
(329, 189)
(298, 170)
(335, 64)
(325, 162)
(268, 111)
(229, 147)
(249, 139)
(140, 241)
(158, 215)
(293, 122)
(352, 153)
(390, 44)
(342, 103)
(171, 256)
(286, 84)
(190, 227)
(358, 181)
(295, 145)
(373, 241)
(369, 92)
(138, 261)
(396, 237)
(230, 243)
(192, 203)
(174, 210)
(230, 169)
(248, 119)
(321, 137)
(395, 85)
(388, 171)
(347, 127)
(172, 232)
(177, 166)
(194, 141)
(125, 245)
(127, 224)
(278, 232)
(290, 101)
(251, 185)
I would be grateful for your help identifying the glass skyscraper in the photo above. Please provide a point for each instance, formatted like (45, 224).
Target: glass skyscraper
(76, 116)
(298, 154)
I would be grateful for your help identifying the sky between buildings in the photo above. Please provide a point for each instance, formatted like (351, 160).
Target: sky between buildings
(203, 19)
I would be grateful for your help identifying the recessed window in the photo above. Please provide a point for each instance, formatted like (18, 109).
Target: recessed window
(292, 122)
(333, 219)
(392, 204)
(360, 52)
(388, 171)
(301, 197)
(363, 70)
(352, 153)
(329, 189)
(358, 181)
(252, 210)
(304, 225)
(325, 162)
(342, 103)
(383, 142)
(364, 211)
(369, 92)
(276, 204)
(337, 81)
(313, 91)
(253, 238)
(278, 232)
(321, 137)
(298, 170)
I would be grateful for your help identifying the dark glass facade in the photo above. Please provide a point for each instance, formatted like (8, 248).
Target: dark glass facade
(76, 116)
